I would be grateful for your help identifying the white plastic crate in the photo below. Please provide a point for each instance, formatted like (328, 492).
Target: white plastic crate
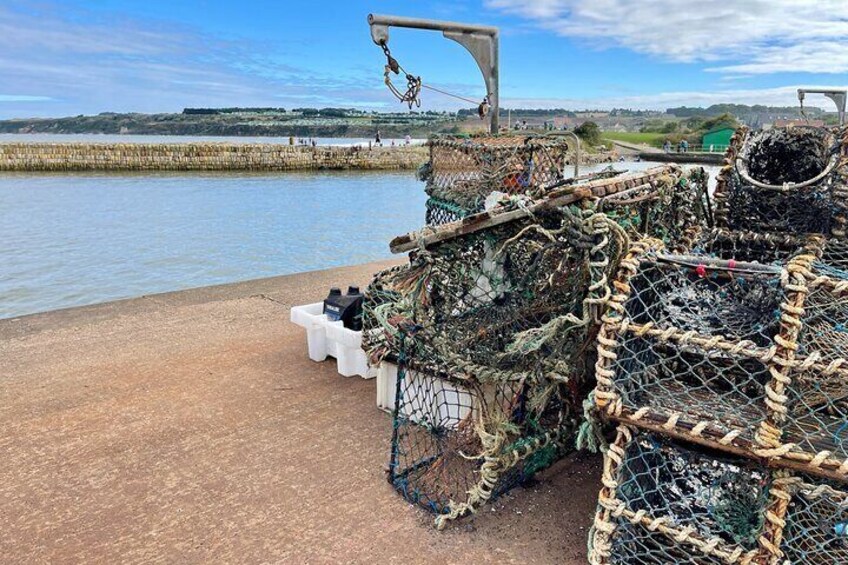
(325, 338)
(312, 319)
(434, 399)
(347, 349)
(386, 386)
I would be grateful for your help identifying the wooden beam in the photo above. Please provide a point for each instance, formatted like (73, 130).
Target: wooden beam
(565, 196)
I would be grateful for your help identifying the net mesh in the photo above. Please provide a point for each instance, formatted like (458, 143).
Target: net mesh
(789, 180)
(630, 541)
(443, 212)
(465, 170)
(748, 352)
(464, 442)
(816, 528)
(665, 501)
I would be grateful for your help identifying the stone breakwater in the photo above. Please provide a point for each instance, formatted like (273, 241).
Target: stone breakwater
(203, 157)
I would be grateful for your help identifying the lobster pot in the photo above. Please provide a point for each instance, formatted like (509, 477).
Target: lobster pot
(666, 502)
(666, 366)
(450, 207)
(502, 305)
(498, 296)
(457, 444)
(786, 180)
(479, 290)
(463, 171)
(746, 356)
(816, 529)
(513, 295)
(497, 301)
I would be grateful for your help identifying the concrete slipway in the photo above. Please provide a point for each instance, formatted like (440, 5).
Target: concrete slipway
(190, 427)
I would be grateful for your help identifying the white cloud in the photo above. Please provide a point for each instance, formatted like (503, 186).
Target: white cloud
(755, 36)
(85, 62)
(781, 96)
(808, 56)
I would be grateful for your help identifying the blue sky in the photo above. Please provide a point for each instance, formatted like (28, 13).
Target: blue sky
(84, 57)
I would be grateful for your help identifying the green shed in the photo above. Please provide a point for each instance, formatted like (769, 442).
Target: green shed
(717, 139)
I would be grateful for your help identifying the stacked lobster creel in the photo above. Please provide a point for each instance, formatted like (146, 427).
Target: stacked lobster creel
(492, 325)
(667, 501)
(463, 171)
(733, 356)
(785, 180)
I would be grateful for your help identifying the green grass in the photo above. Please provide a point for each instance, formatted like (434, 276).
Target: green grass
(655, 139)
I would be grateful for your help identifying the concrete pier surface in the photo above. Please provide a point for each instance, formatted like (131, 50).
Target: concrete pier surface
(191, 427)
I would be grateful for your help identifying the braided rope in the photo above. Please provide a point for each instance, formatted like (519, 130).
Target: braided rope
(610, 507)
(781, 360)
(495, 462)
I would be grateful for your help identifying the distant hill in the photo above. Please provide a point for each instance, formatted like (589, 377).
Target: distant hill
(349, 122)
(302, 122)
(737, 110)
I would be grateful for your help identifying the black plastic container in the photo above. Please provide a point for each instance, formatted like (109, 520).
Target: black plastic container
(346, 308)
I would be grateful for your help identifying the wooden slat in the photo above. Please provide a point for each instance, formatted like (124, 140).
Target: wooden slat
(497, 216)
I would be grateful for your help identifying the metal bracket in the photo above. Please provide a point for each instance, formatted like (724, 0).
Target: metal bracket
(838, 96)
(480, 41)
(379, 33)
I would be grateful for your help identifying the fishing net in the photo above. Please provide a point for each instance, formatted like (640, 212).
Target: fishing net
(816, 518)
(670, 502)
(790, 180)
(443, 212)
(742, 353)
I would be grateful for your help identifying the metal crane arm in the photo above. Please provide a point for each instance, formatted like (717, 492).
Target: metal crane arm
(480, 41)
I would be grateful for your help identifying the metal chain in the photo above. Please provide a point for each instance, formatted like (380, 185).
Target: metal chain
(414, 85)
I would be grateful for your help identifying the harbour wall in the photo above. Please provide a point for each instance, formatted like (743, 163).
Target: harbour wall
(34, 157)
(203, 157)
